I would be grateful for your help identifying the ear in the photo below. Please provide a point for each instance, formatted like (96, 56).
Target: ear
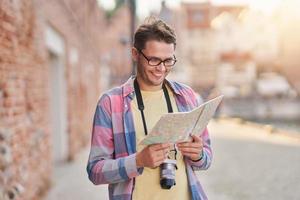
(134, 53)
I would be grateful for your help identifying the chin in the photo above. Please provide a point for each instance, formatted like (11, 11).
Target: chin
(157, 81)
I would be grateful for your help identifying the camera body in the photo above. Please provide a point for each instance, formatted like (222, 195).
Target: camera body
(167, 173)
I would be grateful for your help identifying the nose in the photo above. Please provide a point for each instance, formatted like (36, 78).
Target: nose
(161, 67)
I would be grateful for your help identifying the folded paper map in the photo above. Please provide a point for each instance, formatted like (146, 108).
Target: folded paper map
(178, 127)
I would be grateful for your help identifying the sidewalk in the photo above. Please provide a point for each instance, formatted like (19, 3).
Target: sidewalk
(249, 163)
(71, 182)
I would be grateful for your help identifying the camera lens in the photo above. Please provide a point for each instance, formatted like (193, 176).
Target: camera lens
(167, 173)
(167, 183)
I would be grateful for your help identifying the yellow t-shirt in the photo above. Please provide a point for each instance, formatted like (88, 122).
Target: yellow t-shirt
(147, 185)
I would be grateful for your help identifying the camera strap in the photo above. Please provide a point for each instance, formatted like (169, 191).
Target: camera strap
(140, 102)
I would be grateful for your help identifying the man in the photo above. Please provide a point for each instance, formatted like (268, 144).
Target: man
(131, 170)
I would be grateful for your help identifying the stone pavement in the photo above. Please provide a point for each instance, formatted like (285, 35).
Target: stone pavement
(71, 182)
(249, 163)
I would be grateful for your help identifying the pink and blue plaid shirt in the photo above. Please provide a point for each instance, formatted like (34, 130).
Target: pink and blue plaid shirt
(112, 158)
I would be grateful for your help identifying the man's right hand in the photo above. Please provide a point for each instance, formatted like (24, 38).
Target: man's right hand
(153, 155)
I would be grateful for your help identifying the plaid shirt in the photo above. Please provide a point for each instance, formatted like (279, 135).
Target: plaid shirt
(112, 158)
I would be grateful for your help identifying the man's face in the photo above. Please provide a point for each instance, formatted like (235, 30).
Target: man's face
(152, 77)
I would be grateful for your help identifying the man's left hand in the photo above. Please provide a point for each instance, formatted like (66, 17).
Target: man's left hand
(192, 150)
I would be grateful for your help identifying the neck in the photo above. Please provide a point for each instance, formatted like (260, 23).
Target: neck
(146, 87)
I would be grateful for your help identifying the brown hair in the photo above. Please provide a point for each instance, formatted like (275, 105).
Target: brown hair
(153, 29)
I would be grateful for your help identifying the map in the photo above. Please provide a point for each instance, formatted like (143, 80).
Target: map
(178, 127)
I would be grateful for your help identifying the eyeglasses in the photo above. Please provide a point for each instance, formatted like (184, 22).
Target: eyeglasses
(153, 61)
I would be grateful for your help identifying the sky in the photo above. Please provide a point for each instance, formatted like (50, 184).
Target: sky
(144, 7)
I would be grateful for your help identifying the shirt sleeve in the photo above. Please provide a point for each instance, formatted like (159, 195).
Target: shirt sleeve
(102, 167)
(205, 162)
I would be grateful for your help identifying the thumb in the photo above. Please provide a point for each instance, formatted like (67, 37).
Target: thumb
(196, 138)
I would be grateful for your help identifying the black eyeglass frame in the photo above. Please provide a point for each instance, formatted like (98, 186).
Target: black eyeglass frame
(161, 61)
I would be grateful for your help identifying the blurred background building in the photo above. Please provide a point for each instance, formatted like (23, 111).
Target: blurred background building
(57, 57)
(245, 54)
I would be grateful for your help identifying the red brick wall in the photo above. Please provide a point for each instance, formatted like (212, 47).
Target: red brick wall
(73, 21)
(119, 46)
(25, 133)
(24, 106)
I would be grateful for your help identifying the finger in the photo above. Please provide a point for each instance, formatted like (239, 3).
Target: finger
(181, 143)
(191, 155)
(159, 156)
(161, 146)
(158, 163)
(184, 144)
(190, 150)
(196, 138)
(190, 144)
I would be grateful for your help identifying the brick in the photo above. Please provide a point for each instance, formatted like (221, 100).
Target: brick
(25, 81)
(6, 26)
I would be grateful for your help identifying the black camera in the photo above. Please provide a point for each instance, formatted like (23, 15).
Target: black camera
(167, 174)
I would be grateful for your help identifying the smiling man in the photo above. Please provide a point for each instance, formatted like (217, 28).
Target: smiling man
(125, 114)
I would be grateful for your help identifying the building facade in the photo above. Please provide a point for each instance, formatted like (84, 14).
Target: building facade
(56, 58)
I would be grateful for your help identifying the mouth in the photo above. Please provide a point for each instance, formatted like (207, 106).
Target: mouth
(157, 75)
